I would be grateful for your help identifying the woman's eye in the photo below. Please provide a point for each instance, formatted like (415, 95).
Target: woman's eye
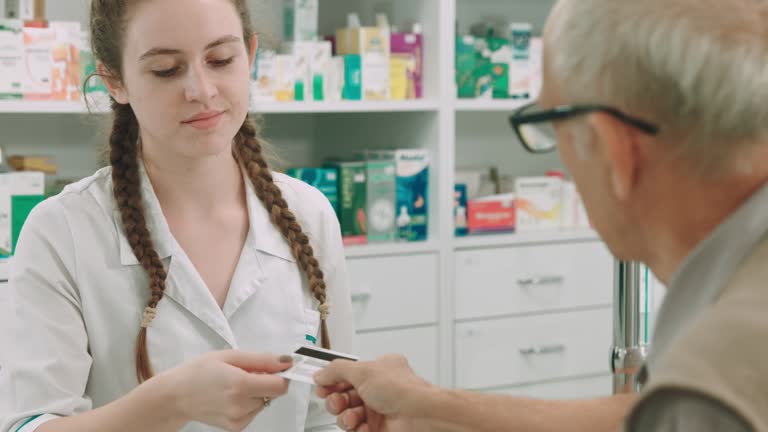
(165, 73)
(222, 63)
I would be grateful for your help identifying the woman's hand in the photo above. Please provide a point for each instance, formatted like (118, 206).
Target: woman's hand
(226, 389)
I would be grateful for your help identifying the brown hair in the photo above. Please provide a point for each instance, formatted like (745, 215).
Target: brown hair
(107, 23)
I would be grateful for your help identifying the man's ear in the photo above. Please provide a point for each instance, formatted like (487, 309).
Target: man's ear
(618, 144)
(254, 48)
(113, 84)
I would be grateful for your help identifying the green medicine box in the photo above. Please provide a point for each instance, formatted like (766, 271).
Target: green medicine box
(352, 201)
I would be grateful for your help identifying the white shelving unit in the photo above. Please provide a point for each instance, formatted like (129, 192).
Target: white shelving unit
(63, 107)
(41, 107)
(471, 105)
(528, 238)
(409, 298)
(393, 249)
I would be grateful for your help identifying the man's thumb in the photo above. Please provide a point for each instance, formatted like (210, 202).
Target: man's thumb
(339, 372)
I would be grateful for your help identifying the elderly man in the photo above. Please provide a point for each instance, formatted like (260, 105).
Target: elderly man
(658, 109)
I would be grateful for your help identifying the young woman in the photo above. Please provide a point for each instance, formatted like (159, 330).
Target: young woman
(187, 239)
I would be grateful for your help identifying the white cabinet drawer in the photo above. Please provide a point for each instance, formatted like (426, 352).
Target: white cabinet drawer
(579, 388)
(504, 352)
(493, 282)
(394, 291)
(418, 345)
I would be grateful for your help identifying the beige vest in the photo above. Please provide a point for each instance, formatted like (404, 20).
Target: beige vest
(724, 354)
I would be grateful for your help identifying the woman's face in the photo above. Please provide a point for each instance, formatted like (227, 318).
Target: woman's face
(186, 74)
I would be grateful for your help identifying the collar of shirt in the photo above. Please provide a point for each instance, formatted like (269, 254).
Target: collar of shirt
(706, 271)
(266, 238)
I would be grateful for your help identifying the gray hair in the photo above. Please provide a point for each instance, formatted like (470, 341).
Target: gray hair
(697, 68)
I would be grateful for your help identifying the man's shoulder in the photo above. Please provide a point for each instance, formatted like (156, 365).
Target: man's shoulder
(677, 410)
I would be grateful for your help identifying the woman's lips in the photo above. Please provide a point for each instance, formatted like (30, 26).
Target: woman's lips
(205, 120)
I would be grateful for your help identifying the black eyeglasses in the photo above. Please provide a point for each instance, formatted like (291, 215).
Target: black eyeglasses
(534, 126)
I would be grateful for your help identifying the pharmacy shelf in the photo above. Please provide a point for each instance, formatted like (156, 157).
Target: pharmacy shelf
(41, 107)
(345, 106)
(473, 105)
(389, 249)
(64, 107)
(528, 238)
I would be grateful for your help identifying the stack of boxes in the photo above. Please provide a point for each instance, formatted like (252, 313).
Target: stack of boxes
(380, 197)
(49, 60)
(43, 60)
(499, 67)
(356, 63)
(531, 204)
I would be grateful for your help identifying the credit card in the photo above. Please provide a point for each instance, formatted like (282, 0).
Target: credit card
(309, 360)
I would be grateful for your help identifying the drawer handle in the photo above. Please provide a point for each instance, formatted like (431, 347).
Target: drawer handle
(542, 350)
(541, 280)
(361, 297)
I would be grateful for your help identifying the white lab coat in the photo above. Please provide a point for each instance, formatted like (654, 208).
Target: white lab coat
(77, 293)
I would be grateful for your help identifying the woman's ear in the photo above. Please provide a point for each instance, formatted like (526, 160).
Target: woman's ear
(113, 84)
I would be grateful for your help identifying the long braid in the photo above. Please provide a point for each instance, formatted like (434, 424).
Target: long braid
(248, 151)
(127, 192)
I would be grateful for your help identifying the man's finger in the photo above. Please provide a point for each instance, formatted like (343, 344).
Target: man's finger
(353, 398)
(324, 392)
(354, 417)
(340, 371)
(351, 419)
(336, 403)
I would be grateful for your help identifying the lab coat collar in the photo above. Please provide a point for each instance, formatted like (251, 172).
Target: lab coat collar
(156, 223)
(265, 237)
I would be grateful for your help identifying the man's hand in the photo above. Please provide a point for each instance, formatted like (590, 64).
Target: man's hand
(378, 396)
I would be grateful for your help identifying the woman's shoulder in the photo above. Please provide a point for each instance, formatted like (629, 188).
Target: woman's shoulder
(302, 197)
(79, 206)
(310, 206)
(89, 194)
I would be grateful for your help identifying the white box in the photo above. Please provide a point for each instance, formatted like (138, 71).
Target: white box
(286, 68)
(11, 59)
(372, 44)
(321, 54)
(574, 215)
(539, 203)
(38, 43)
(301, 53)
(65, 60)
(313, 62)
(300, 20)
(31, 9)
(336, 79)
(9, 9)
(537, 53)
(265, 77)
